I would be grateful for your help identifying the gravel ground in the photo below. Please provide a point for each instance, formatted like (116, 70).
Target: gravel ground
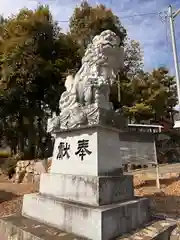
(166, 201)
(11, 195)
(163, 202)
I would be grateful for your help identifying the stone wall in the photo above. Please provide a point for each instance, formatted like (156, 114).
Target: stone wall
(29, 171)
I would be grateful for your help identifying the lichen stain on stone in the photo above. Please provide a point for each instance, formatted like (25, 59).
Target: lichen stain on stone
(88, 181)
(115, 188)
(70, 210)
(92, 181)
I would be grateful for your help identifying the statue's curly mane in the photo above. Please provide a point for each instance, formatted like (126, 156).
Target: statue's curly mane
(89, 90)
(95, 50)
(99, 65)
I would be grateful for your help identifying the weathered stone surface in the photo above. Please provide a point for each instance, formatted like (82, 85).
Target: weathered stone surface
(176, 232)
(97, 181)
(87, 189)
(29, 171)
(96, 223)
(39, 167)
(157, 230)
(103, 156)
(28, 177)
(20, 228)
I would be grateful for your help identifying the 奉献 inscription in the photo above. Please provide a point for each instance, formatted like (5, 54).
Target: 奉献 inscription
(82, 148)
(63, 149)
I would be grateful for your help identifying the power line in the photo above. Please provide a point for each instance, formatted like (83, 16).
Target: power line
(129, 16)
(163, 19)
(142, 15)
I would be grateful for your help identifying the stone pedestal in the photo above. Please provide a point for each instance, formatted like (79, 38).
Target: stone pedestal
(85, 192)
(92, 190)
(100, 155)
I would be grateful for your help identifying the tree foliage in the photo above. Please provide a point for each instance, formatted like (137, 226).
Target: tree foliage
(35, 57)
(154, 96)
(133, 58)
(88, 21)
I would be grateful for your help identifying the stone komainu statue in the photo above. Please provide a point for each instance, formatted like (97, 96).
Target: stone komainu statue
(87, 94)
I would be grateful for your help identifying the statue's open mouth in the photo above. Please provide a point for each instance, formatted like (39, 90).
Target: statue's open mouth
(109, 45)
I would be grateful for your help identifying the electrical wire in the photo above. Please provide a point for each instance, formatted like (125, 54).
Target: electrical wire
(129, 16)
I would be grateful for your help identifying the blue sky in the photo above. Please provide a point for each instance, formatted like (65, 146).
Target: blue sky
(149, 30)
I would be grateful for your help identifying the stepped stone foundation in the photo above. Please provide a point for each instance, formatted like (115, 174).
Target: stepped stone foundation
(86, 193)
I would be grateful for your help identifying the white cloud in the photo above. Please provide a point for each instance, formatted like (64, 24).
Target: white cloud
(147, 29)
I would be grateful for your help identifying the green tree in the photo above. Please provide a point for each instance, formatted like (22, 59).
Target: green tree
(34, 58)
(133, 58)
(87, 21)
(154, 96)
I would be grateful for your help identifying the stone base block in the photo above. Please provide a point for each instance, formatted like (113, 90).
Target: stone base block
(157, 230)
(97, 223)
(17, 227)
(88, 189)
(101, 157)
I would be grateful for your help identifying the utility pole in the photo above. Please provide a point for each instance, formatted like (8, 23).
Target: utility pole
(176, 64)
